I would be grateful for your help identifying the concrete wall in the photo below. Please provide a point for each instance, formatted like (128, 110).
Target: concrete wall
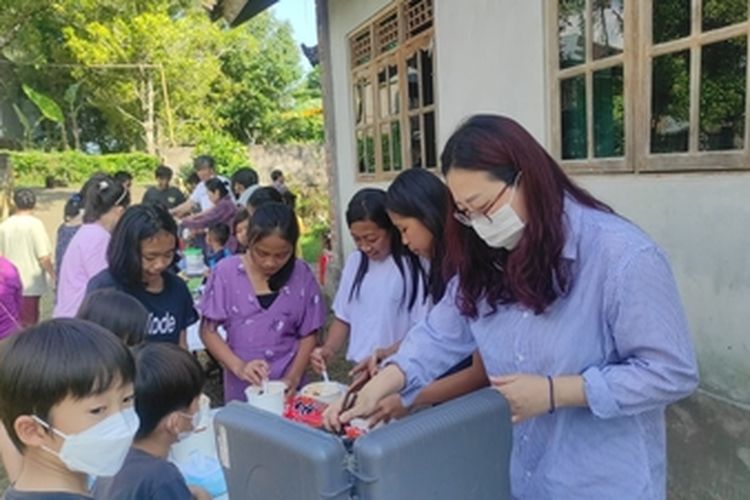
(491, 57)
(301, 163)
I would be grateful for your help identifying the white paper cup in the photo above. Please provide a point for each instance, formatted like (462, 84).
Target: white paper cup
(325, 392)
(272, 399)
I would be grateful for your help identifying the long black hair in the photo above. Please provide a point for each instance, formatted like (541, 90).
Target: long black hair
(419, 194)
(138, 223)
(102, 193)
(368, 204)
(275, 218)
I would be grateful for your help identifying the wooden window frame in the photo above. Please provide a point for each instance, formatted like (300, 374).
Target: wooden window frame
(407, 45)
(637, 56)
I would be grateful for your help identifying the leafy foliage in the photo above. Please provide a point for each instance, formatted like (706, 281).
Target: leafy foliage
(228, 153)
(120, 56)
(73, 167)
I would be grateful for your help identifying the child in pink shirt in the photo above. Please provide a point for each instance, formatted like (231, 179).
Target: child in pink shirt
(86, 254)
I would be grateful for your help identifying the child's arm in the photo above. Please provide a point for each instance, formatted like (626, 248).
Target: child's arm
(297, 368)
(372, 364)
(199, 493)
(251, 371)
(457, 384)
(337, 334)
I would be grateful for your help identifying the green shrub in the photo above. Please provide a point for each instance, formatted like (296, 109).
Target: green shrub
(32, 168)
(228, 153)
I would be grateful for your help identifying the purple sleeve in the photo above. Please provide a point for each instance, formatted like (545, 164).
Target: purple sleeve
(219, 213)
(314, 308)
(213, 301)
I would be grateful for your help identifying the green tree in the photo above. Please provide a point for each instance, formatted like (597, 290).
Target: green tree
(263, 66)
(131, 57)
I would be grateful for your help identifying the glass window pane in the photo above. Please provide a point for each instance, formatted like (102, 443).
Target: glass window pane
(412, 75)
(370, 150)
(718, 13)
(429, 140)
(383, 93)
(428, 96)
(397, 155)
(359, 108)
(608, 25)
(385, 147)
(361, 152)
(573, 114)
(415, 140)
(369, 111)
(670, 19)
(571, 32)
(393, 86)
(722, 96)
(609, 113)
(670, 102)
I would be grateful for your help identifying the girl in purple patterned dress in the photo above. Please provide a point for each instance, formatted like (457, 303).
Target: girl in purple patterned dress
(269, 303)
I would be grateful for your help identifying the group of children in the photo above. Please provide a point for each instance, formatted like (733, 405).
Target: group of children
(100, 413)
(267, 300)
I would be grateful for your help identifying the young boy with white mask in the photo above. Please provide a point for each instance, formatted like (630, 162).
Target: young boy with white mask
(170, 406)
(66, 400)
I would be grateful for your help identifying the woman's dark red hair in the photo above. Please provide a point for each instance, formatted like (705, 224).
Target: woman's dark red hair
(534, 273)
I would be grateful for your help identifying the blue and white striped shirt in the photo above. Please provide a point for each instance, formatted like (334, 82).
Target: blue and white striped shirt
(621, 326)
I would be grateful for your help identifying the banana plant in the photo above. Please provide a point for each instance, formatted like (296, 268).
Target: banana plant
(49, 110)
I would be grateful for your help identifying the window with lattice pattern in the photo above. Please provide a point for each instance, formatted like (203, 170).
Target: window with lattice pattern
(418, 16)
(361, 47)
(393, 87)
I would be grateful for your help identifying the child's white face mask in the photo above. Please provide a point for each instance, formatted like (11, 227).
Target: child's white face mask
(198, 419)
(101, 449)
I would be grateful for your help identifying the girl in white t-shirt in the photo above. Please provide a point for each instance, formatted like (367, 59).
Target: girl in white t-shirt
(381, 292)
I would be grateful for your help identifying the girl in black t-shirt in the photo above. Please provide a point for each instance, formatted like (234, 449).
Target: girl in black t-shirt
(141, 250)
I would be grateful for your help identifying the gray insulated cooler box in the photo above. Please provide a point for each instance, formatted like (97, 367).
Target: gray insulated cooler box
(457, 450)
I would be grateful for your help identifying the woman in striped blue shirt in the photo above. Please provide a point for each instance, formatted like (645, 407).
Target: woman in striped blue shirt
(574, 311)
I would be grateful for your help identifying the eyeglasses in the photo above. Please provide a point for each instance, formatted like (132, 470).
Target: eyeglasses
(465, 217)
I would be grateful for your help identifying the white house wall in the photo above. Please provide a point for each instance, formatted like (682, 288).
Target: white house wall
(491, 58)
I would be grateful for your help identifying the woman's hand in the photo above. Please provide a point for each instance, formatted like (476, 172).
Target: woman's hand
(320, 357)
(527, 395)
(254, 371)
(389, 408)
(364, 406)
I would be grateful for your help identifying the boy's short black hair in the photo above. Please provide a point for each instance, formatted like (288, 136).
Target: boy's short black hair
(245, 177)
(221, 232)
(263, 195)
(163, 172)
(276, 174)
(24, 199)
(44, 364)
(122, 176)
(168, 378)
(118, 312)
(204, 161)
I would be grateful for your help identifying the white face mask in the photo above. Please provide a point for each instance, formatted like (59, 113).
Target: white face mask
(101, 449)
(197, 419)
(503, 229)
